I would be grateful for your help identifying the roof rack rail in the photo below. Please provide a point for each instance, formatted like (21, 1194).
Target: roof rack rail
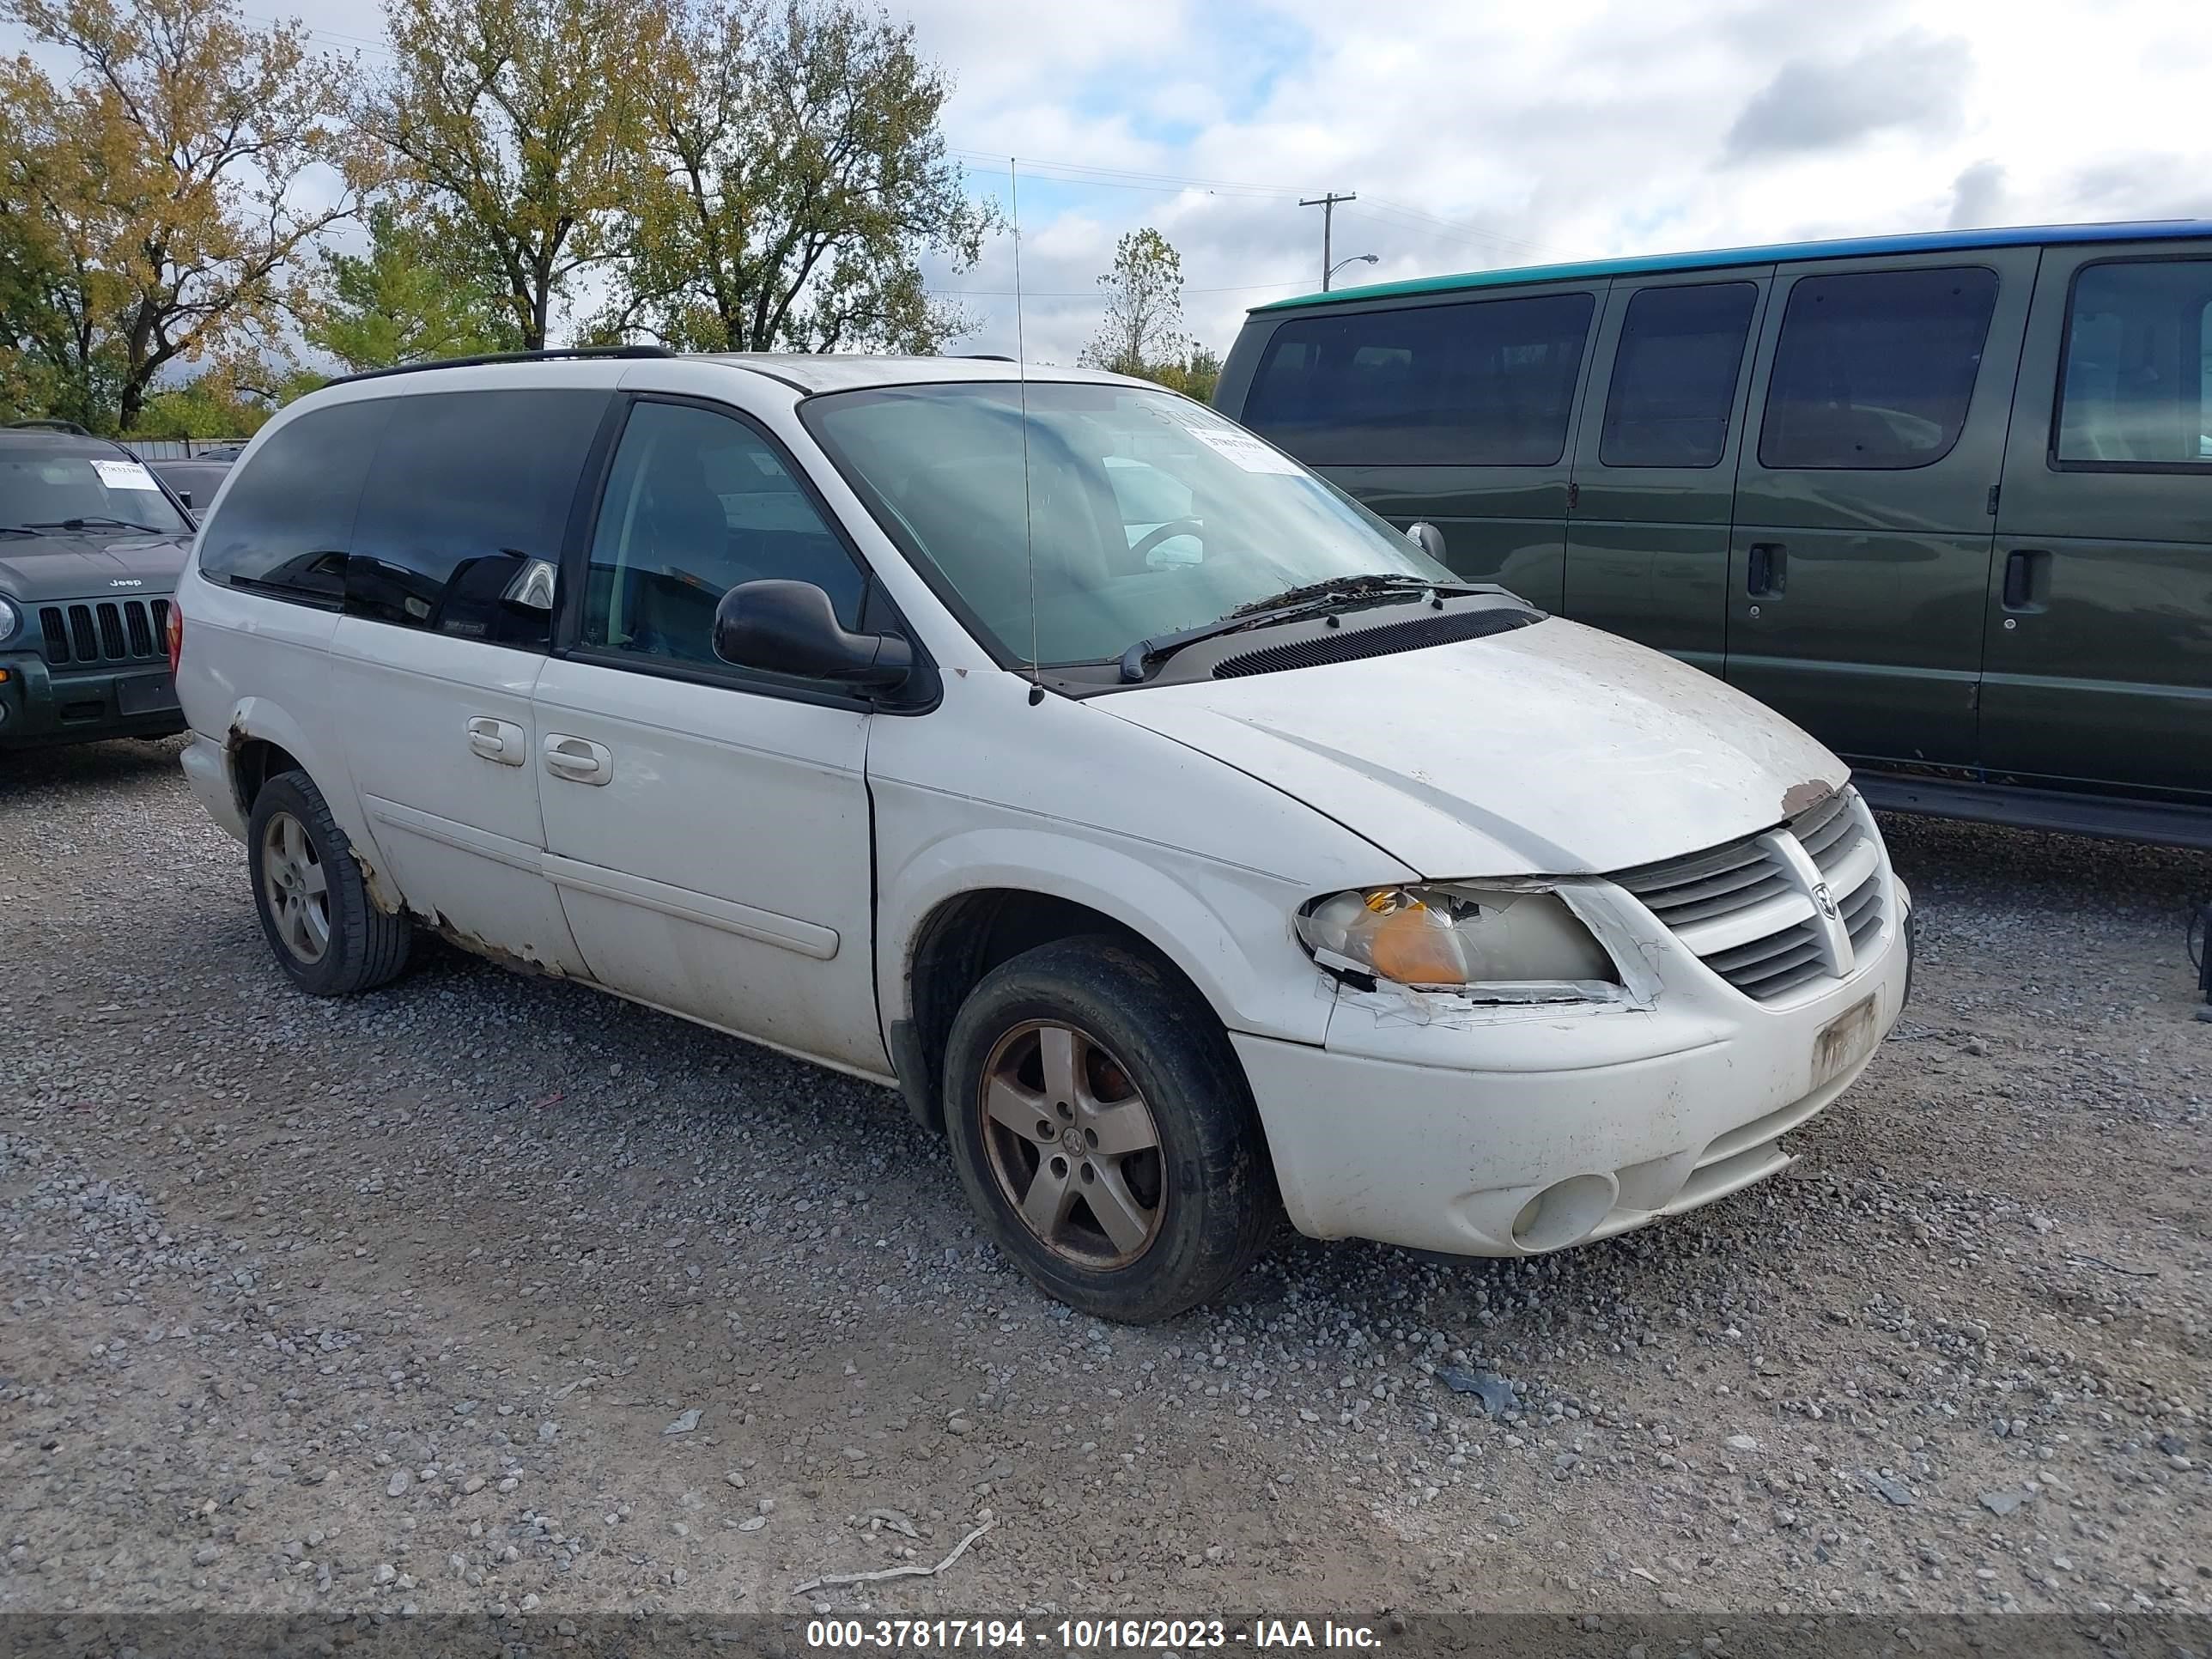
(987, 357)
(42, 424)
(551, 354)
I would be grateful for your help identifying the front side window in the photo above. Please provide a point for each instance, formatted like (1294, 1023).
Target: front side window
(1675, 374)
(1875, 369)
(1481, 383)
(1138, 514)
(96, 489)
(2138, 389)
(697, 504)
(467, 490)
(286, 523)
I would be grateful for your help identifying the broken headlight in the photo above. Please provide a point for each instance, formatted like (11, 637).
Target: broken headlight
(1453, 937)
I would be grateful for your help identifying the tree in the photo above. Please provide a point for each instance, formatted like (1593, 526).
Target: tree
(1194, 377)
(798, 173)
(411, 297)
(517, 127)
(1143, 325)
(155, 207)
(211, 404)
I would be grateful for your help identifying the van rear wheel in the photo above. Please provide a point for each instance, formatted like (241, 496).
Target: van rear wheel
(1103, 1131)
(328, 935)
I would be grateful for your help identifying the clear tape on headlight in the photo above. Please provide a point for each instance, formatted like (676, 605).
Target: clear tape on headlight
(1514, 941)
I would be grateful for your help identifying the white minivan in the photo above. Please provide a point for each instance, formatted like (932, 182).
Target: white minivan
(1185, 843)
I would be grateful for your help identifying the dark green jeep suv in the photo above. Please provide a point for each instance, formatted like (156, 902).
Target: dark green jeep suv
(90, 546)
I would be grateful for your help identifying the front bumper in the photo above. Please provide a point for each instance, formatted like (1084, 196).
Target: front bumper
(38, 706)
(1508, 1132)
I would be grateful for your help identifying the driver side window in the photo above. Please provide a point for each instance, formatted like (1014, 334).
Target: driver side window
(697, 504)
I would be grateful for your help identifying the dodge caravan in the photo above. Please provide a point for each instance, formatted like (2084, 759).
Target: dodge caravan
(1182, 841)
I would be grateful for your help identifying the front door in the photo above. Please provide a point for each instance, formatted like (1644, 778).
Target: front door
(1860, 549)
(2098, 664)
(708, 829)
(1654, 483)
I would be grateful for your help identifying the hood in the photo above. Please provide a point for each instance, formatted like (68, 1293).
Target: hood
(88, 565)
(1554, 749)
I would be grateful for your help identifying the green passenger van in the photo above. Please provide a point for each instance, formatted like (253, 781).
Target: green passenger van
(1945, 501)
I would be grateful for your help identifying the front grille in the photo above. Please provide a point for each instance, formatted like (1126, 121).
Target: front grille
(94, 633)
(1750, 910)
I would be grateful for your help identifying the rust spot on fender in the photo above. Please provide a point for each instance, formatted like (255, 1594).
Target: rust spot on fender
(1799, 796)
(384, 899)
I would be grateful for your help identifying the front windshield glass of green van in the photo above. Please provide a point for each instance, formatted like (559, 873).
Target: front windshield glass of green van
(1144, 515)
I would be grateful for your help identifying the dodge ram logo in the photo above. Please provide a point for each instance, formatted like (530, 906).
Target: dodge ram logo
(1825, 900)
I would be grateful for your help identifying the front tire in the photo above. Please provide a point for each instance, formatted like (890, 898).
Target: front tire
(326, 934)
(1103, 1131)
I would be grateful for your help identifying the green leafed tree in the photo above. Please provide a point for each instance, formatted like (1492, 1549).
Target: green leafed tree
(415, 295)
(157, 202)
(516, 126)
(797, 176)
(1143, 323)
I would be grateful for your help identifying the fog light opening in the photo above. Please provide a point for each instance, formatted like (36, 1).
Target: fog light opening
(1564, 1213)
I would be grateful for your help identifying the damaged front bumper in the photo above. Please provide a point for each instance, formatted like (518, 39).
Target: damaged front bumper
(1500, 1128)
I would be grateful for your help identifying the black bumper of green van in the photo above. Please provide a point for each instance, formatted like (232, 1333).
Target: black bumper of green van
(40, 706)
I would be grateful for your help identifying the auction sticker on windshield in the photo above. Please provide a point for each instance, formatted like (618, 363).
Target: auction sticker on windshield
(1247, 450)
(124, 475)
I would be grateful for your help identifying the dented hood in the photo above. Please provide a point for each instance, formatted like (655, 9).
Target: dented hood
(1554, 749)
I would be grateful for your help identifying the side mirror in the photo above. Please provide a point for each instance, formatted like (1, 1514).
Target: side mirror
(791, 627)
(1426, 536)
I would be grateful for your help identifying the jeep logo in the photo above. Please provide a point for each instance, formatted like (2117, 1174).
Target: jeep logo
(126, 582)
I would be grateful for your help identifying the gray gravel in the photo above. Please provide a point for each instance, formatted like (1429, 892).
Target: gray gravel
(406, 1302)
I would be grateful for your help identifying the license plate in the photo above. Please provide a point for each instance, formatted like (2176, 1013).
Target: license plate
(145, 693)
(1843, 1041)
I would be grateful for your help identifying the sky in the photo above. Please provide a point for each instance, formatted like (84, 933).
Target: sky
(1483, 135)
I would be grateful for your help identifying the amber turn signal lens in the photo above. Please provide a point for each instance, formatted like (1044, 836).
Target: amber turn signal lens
(1415, 946)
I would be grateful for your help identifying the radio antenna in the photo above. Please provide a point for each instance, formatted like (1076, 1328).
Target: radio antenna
(1021, 392)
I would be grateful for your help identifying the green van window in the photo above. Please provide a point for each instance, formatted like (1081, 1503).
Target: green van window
(2136, 389)
(1476, 384)
(1674, 375)
(1875, 369)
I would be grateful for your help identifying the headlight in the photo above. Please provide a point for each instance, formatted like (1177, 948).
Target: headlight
(1449, 938)
(10, 620)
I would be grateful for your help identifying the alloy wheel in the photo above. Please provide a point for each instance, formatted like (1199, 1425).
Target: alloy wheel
(297, 889)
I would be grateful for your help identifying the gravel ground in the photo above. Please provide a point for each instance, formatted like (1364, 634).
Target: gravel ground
(484, 1293)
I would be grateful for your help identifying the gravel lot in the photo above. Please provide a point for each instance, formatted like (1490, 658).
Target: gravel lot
(400, 1302)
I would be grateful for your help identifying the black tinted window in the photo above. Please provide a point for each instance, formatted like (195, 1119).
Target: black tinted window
(1875, 370)
(1485, 383)
(2138, 387)
(695, 503)
(288, 522)
(468, 489)
(1675, 374)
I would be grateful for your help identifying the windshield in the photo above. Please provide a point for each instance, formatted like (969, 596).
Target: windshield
(51, 490)
(1147, 513)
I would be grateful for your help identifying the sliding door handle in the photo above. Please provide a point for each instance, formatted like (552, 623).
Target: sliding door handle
(2026, 579)
(1766, 571)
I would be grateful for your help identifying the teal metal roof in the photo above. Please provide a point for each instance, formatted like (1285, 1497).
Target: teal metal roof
(1934, 241)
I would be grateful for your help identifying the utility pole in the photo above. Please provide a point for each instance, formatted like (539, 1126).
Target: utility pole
(1328, 206)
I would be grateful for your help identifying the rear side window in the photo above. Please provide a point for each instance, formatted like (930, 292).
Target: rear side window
(1875, 369)
(1484, 383)
(1675, 374)
(287, 524)
(2137, 387)
(468, 488)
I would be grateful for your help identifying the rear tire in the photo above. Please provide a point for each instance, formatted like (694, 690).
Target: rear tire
(326, 932)
(1104, 1133)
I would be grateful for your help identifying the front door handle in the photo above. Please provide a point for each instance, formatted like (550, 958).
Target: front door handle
(1767, 570)
(498, 740)
(578, 759)
(2026, 578)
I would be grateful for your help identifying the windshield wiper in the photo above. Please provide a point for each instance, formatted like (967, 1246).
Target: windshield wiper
(1311, 600)
(96, 523)
(19, 530)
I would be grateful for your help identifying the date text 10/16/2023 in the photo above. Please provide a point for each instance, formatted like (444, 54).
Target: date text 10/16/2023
(1089, 1635)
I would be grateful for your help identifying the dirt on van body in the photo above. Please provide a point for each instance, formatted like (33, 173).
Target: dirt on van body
(490, 1294)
